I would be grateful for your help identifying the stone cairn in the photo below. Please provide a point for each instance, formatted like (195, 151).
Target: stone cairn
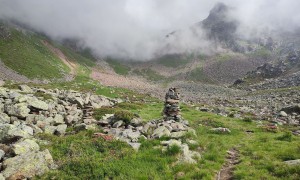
(172, 110)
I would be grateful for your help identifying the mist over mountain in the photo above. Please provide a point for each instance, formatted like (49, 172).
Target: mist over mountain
(133, 29)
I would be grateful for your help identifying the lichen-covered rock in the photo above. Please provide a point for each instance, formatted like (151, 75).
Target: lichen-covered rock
(9, 131)
(160, 132)
(4, 118)
(3, 93)
(61, 129)
(25, 89)
(58, 119)
(48, 129)
(178, 135)
(1, 177)
(19, 110)
(25, 146)
(28, 165)
(37, 104)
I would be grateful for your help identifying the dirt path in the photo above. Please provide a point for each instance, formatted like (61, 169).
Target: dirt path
(62, 57)
(226, 173)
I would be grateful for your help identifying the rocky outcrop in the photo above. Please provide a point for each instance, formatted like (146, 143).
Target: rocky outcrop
(28, 111)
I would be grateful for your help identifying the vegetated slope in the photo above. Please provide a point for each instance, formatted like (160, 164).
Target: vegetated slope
(25, 53)
(34, 56)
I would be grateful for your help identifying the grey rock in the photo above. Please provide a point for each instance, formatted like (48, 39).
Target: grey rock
(160, 132)
(221, 130)
(136, 122)
(3, 93)
(27, 129)
(4, 118)
(2, 177)
(77, 100)
(29, 164)
(25, 146)
(2, 83)
(18, 110)
(292, 162)
(1, 107)
(36, 129)
(2, 153)
(178, 135)
(171, 142)
(48, 121)
(80, 127)
(30, 119)
(48, 129)
(134, 136)
(9, 131)
(38, 104)
(135, 146)
(118, 124)
(25, 89)
(283, 114)
(58, 119)
(69, 119)
(14, 95)
(61, 129)
(92, 127)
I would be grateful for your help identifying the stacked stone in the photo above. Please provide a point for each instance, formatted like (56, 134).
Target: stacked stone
(172, 109)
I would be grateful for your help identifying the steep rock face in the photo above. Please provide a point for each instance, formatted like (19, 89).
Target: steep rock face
(221, 28)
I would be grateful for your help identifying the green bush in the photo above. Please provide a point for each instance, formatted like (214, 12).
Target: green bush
(247, 119)
(125, 116)
(173, 150)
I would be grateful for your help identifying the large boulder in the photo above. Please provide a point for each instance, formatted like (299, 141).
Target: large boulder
(28, 165)
(19, 110)
(38, 104)
(9, 131)
(25, 146)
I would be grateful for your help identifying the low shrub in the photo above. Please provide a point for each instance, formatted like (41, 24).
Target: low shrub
(125, 116)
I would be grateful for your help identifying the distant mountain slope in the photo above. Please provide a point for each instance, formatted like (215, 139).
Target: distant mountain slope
(32, 56)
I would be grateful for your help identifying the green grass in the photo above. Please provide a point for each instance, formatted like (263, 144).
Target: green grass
(26, 54)
(82, 157)
(173, 60)
(198, 74)
(149, 74)
(118, 67)
(261, 153)
(261, 53)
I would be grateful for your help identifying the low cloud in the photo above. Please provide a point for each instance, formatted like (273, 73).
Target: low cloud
(136, 29)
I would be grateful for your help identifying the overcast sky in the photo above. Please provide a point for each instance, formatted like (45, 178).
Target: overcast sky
(135, 28)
